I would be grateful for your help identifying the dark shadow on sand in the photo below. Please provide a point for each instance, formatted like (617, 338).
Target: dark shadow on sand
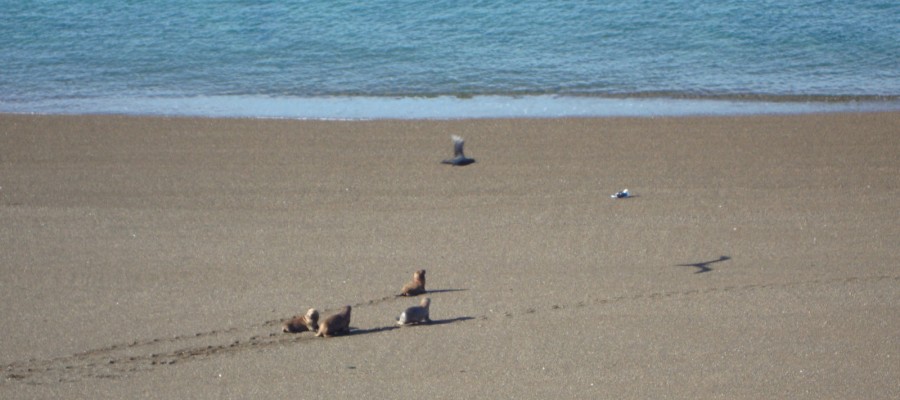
(355, 331)
(704, 266)
(448, 321)
(445, 291)
(439, 322)
(433, 291)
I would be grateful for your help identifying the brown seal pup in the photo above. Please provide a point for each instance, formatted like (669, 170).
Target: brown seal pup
(416, 286)
(336, 324)
(416, 314)
(303, 323)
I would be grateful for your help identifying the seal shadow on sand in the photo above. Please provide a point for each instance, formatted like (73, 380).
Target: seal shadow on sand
(392, 297)
(434, 291)
(444, 321)
(355, 331)
(444, 291)
(704, 266)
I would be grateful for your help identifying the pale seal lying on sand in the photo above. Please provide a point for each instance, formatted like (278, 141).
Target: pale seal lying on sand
(416, 286)
(336, 324)
(459, 159)
(415, 314)
(303, 323)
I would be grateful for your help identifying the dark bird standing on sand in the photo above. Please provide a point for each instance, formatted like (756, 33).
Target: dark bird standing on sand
(459, 158)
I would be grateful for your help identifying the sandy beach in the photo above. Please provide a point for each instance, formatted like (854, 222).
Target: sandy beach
(151, 257)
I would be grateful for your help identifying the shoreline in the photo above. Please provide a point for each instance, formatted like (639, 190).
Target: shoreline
(157, 256)
(454, 107)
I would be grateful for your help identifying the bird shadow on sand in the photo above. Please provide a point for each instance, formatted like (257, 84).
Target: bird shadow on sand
(356, 331)
(704, 266)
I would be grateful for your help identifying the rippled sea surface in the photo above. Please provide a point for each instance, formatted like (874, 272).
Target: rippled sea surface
(303, 59)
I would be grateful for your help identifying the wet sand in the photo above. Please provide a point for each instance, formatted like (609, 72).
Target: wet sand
(157, 257)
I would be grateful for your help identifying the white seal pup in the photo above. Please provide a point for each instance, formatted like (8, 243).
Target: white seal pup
(416, 286)
(303, 323)
(416, 314)
(336, 324)
(459, 159)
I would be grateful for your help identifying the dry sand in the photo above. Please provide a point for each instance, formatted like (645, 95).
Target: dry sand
(157, 257)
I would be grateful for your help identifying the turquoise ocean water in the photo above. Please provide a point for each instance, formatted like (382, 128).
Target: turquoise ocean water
(447, 59)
